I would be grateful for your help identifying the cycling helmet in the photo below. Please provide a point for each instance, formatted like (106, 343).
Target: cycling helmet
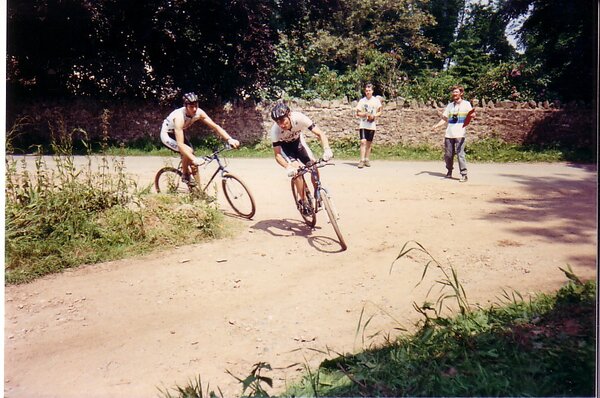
(279, 110)
(189, 98)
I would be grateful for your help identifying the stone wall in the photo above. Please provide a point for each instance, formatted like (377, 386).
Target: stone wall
(403, 122)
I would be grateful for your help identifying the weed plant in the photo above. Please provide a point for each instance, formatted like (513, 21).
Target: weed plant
(70, 214)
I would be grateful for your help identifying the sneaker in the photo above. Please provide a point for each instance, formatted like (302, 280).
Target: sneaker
(448, 175)
(367, 163)
(361, 164)
(463, 178)
(188, 180)
(304, 208)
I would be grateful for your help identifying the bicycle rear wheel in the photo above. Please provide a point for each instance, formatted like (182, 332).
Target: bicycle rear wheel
(238, 195)
(308, 213)
(168, 180)
(333, 216)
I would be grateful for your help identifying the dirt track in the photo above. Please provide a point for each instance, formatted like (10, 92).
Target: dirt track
(278, 290)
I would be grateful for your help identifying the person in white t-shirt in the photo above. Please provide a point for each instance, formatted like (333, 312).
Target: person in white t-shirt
(289, 145)
(368, 109)
(172, 135)
(457, 115)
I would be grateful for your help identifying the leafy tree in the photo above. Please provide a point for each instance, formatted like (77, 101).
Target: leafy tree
(376, 40)
(151, 49)
(447, 15)
(558, 37)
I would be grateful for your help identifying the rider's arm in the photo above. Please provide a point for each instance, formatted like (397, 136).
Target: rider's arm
(279, 157)
(321, 135)
(215, 127)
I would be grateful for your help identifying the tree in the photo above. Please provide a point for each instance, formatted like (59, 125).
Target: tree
(559, 41)
(151, 49)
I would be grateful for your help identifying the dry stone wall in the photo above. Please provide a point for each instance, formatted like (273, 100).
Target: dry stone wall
(405, 122)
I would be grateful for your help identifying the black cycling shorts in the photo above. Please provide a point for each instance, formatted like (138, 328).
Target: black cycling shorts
(295, 150)
(366, 134)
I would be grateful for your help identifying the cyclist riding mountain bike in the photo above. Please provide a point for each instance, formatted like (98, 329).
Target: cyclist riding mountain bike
(173, 137)
(289, 144)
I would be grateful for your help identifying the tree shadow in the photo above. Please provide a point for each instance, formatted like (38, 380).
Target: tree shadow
(570, 204)
(569, 129)
(289, 227)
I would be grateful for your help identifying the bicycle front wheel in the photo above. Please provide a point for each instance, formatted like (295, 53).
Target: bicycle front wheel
(308, 211)
(333, 217)
(238, 195)
(168, 180)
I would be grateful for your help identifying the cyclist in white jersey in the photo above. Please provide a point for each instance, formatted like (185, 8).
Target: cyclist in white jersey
(289, 144)
(173, 137)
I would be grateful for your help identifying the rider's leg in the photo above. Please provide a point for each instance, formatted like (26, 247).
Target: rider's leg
(299, 182)
(187, 159)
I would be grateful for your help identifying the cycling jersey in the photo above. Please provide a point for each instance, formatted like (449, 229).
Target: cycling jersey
(167, 131)
(292, 142)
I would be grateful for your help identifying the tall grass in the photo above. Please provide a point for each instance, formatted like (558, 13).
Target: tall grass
(67, 214)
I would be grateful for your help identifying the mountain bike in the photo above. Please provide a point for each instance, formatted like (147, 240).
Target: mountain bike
(169, 180)
(313, 202)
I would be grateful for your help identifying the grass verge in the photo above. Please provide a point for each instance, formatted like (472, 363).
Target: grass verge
(487, 150)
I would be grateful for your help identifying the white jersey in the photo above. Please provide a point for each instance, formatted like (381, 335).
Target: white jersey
(169, 122)
(299, 122)
(369, 106)
(456, 114)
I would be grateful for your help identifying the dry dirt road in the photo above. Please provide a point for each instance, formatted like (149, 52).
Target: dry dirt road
(281, 293)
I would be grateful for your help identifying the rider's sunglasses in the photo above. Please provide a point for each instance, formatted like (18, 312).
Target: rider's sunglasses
(280, 120)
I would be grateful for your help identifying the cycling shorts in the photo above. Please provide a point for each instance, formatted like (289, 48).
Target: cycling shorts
(366, 134)
(167, 137)
(296, 150)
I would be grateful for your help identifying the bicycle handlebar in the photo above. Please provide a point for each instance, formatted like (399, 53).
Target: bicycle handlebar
(217, 150)
(312, 165)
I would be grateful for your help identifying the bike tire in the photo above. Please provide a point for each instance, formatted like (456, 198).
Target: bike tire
(238, 195)
(311, 218)
(168, 180)
(331, 213)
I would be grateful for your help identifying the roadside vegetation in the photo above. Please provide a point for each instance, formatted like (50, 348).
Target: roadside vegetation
(64, 215)
(487, 150)
(539, 346)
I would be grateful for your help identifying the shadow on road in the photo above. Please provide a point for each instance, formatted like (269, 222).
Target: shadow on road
(433, 174)
(289, 227)
(570, 204)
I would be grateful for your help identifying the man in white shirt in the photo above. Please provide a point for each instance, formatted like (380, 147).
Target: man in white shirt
(173, 137)
(289, 144)
(457, 114)
(368, 109)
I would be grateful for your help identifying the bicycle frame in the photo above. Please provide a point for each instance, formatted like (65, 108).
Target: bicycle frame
(221, 167)
(312, 169)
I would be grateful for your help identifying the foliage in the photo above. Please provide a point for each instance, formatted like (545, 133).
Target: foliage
(154, 49)
(559, 42)
(70, 214)
(430, 85)
(308, 48)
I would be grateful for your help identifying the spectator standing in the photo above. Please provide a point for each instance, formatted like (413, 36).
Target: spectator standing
(368, 109)
(457, 115)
